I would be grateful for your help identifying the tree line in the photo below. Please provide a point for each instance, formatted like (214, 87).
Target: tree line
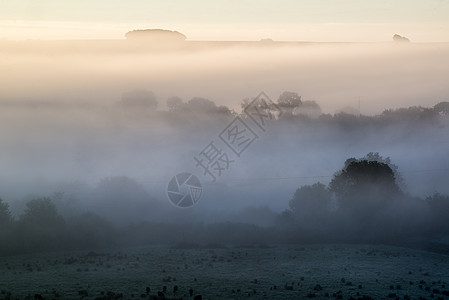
(365, 201)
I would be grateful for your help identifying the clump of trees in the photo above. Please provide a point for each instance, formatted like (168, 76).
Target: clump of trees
(192, 113)
(288, 106)
(196, 105)
(442, 108)
(155, 35)
(288, 102)
(364, 201)
(400, 39)
(5, 215)
(42, 228)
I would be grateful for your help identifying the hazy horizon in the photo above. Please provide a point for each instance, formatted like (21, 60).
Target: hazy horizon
(372, 77)
(289, 20)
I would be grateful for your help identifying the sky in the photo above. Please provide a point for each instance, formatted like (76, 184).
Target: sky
(317, 20)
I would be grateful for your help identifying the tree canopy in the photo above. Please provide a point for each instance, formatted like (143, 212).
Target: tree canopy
(42, 212)
(310, 199)
(288, 101)
(364, 189)
(359, 177)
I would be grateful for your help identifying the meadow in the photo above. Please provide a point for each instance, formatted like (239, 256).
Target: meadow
(321, 271)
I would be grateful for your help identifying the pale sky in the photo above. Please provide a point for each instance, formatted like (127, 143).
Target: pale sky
(312, 20)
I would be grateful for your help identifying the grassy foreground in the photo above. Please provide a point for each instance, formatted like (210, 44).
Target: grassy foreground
(274, 272)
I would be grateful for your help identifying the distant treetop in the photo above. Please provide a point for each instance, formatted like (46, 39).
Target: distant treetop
(155, 35)
(400, 39)
(442, 108)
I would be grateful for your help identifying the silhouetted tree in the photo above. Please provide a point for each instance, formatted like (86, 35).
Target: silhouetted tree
(375, 156)
(400, 39)
(369, 201)
(5, 215)
(311, 209)
(442, 108)
(155, 35)
(311, 200)
(288, 101)
(6, 233)
(40, 228)
(364, 186)
(43, 213)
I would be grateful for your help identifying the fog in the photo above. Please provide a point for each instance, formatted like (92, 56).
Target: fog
(87, 124)
(383, 75)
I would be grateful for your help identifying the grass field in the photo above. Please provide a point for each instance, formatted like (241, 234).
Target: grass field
(269, 272)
